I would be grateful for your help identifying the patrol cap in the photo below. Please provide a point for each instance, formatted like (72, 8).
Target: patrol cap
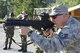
(59, 9)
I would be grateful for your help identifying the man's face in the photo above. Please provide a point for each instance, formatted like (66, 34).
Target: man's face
(59, 20)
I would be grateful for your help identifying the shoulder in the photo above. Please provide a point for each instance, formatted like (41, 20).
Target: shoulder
(72, 23)
(74, 20)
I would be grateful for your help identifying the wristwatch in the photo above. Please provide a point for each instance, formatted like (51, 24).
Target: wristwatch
(29, 33)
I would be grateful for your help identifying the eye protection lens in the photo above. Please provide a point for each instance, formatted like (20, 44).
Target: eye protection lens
(55, 16)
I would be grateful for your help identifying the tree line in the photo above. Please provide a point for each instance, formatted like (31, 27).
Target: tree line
(17, 6)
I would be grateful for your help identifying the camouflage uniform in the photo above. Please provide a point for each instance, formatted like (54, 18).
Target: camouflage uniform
(9, 30)
(66, 40)
(23, 31)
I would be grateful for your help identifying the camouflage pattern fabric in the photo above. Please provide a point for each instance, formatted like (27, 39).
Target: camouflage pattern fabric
(66, 40)
(9, 30)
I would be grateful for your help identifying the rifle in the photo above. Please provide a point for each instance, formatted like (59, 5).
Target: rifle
(44, 23)
(37, 24)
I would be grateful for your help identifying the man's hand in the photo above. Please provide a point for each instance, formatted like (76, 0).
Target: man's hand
(48, 32)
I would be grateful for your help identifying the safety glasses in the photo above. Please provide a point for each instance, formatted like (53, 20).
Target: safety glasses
(55, 16)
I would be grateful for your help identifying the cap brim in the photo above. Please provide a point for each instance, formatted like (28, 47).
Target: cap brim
(53, 14)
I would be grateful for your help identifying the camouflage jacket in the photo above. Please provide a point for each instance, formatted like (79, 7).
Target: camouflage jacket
(66, 40)
(9, 29)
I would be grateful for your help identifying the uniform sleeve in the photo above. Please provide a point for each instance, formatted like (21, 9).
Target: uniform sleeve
(63, 40)
(76, 33)
(44, 43)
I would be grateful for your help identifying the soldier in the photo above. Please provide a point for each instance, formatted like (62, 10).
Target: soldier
(23, 16)
(9, 30)
(66, 39)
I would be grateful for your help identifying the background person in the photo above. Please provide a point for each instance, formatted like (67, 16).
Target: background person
(23, 34)
(9, 30)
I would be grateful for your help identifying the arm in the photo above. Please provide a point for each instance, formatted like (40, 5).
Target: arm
(48, 45)
(58, 42)
(19, 16)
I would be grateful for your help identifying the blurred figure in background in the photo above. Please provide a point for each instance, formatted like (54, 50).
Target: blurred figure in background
(23, 16)
(9, 30)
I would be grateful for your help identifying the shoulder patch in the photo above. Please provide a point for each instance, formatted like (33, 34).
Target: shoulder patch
(63, 36)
